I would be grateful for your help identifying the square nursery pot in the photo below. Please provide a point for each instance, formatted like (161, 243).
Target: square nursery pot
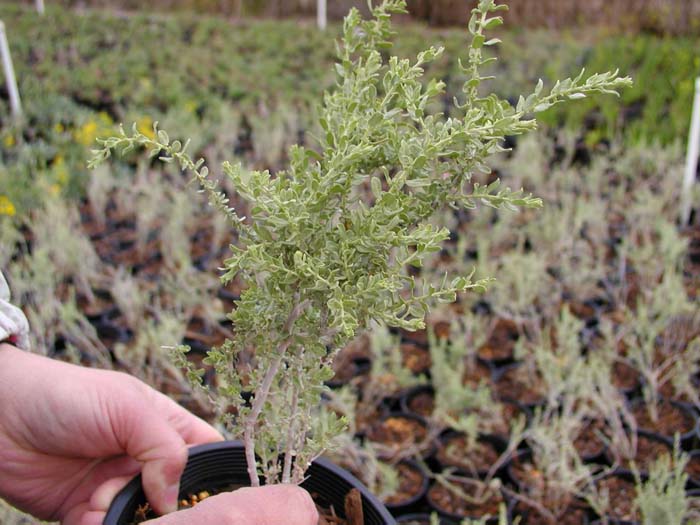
(218, 465)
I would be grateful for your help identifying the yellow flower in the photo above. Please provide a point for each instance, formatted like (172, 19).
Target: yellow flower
(105, 118)
(145, 126)
(87, 133)
(55, 189)
(8, 140)
(6, 206)
(58, 128)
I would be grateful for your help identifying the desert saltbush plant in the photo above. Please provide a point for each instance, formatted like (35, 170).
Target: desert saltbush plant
(661, 498)
(318, 262)
(469, 410)
(658, 335)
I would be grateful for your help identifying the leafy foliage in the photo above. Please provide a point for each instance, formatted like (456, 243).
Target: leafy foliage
(319, 255)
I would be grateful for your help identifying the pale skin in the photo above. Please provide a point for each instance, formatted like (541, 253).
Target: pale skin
(72, 437)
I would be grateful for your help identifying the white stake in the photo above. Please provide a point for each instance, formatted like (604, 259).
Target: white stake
(15, 103)
(691, 161)
(40, 7)
(321, 14)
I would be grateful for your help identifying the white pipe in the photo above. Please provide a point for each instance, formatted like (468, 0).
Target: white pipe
(40, 7)
(691, 161)
(15, 103)
(322, 14)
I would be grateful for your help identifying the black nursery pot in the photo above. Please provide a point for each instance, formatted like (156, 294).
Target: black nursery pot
(218, 465)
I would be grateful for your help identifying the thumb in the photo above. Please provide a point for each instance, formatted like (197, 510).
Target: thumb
(268, 505)
(149, 438)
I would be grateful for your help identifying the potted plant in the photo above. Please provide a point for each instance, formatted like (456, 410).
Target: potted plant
(320, 258)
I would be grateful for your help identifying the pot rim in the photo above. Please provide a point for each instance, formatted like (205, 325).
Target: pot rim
(134, 486)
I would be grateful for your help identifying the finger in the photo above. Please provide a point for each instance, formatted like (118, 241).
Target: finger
(279, 505)
(193, 429)
(148, 437)
(75, 516)
(94, 512)
(269, 505)
(103, 472)
(93, 518)
(104, 495)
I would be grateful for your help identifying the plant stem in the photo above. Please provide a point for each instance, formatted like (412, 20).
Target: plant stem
(251, 420)
(262, 393)
(291, 433)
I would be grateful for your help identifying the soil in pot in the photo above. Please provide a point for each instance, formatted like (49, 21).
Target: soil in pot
(477, 460)
(506, 413)
(693, 468)
(649, 449)
(351, 362)
(517, 383)
(419, 337)
(415, 357)
(588, 443)
(413, 484)
(476, 373)
(480, 501)
(671, 418)
(500, 346)
(625, 378)
(573, 515)
(622, 493)
(526, 476)
(398, 434)
(419, 400)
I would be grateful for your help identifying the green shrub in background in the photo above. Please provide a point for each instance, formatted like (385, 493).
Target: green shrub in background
(250, 88)
(657, 108)
(674, 17)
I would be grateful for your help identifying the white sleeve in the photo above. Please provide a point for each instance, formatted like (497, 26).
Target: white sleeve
(13, 323)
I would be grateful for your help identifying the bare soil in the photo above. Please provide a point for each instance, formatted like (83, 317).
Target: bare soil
(671, 419)
(481, 505)
(622, 494)
(453, 452)
(398, 433)
(422, 404)
(411, 483)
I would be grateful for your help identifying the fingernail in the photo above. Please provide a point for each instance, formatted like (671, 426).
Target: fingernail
(171, 497)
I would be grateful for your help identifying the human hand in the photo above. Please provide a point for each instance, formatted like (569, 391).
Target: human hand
(72, 437)
(268, 505)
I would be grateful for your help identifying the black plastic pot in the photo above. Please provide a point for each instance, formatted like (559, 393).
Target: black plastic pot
(421, 519)
(443, 462)
(426, 446)
(359, 366)
(218, 465)
(613, 520)
(417, 501)
(651, 440)
(408, 397)
(693, 477)
(687, 438)
(414, 519)
(458, 518)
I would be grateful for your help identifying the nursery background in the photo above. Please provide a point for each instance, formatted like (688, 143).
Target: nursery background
(567, 392)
